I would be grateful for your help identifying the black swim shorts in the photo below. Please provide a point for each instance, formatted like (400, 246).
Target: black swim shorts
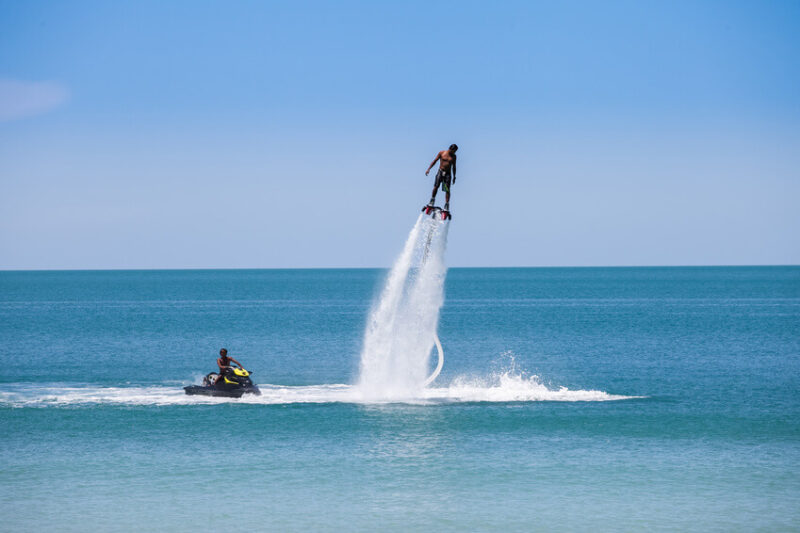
(443, 178)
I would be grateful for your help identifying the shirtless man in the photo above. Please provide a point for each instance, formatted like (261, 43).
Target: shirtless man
(224, 363)
(447, 161)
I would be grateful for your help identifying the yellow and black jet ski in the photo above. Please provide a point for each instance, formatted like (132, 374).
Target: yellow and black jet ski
(232, 383)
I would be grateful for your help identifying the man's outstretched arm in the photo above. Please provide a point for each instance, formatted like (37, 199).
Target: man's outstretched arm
(439, 155)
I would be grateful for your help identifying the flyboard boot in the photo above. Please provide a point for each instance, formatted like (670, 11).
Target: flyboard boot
(446, 212)
(429, 207)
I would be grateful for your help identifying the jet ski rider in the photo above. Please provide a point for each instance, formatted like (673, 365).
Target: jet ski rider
(224, 363)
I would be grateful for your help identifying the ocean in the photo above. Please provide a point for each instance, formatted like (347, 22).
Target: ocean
(607, 399)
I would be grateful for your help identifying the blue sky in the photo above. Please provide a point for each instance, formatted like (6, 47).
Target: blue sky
(296, 134)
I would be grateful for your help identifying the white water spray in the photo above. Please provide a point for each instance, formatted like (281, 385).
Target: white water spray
(401, 328)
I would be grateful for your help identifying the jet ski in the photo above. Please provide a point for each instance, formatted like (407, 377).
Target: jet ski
(233, 383)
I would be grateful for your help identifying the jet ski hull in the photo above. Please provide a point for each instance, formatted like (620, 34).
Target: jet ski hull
(225, 393)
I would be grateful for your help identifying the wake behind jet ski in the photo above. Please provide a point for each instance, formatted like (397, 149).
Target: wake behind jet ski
(230, 381)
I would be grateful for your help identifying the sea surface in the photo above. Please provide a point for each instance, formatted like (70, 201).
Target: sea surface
(603, 399)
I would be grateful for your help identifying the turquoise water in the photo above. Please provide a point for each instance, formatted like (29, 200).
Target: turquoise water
(700, 368)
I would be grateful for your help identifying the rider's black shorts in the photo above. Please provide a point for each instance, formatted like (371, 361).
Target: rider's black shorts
(443, 178)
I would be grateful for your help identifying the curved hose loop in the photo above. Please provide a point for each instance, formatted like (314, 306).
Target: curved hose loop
(439, 365)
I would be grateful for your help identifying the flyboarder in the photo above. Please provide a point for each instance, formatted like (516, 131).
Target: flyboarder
(447, 169)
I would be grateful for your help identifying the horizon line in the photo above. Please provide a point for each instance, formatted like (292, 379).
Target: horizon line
(211, 269)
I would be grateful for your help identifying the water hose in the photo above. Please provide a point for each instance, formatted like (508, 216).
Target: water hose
(439, 365)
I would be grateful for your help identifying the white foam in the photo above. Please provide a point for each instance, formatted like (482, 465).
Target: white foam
(504, 387)
(508, 387)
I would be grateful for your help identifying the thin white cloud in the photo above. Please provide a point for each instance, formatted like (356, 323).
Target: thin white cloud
(19, 99)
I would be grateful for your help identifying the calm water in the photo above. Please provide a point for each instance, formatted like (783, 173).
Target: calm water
(96, 435)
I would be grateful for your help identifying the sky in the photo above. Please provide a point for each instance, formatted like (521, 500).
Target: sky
(237, 134)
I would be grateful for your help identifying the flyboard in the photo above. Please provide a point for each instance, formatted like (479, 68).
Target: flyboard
(436, 212)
